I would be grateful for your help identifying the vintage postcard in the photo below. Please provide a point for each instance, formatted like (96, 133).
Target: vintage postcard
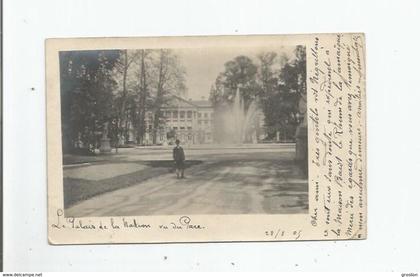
(196, 139)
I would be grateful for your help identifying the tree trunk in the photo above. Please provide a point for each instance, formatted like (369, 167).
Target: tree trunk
(159, 96)
(143, 97)
(126, 127)
(120, 123)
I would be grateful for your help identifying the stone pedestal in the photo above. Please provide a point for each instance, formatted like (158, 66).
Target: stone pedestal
(254, 137)
(105, 146)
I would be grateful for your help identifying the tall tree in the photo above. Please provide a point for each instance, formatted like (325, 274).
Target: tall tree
(239, 72)
(86, 95)
(143, 96)
(122, 73)
(267, 75)
(281, 108)
(170, 80)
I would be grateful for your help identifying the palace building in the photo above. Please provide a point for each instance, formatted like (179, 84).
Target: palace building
(187, 120)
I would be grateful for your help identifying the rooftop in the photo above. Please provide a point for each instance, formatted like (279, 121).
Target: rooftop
(202, 103)
(184, 103)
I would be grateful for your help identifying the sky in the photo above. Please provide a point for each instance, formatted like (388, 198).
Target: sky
(204, 64)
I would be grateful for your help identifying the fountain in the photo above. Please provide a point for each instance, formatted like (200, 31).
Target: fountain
(240, 120)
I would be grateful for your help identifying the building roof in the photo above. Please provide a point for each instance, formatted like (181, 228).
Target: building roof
(180, 102)
(202, 103)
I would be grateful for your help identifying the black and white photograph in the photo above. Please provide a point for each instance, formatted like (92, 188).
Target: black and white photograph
(208, 136)
(176, 131)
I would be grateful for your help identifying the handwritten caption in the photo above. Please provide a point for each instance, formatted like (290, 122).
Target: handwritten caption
(120, 223)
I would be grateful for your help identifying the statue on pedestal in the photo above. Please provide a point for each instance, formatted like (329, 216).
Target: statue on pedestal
(105, 144)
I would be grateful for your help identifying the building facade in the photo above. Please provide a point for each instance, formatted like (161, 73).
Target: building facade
(187, 120)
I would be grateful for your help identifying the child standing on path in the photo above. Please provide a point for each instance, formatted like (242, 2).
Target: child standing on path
(179, 158)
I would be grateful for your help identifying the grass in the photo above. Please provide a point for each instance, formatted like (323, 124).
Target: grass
(76, 190)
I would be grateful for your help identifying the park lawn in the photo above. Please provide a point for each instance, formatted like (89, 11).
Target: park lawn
(77, 189)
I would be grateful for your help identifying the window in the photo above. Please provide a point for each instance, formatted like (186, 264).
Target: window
(182, 128)
(189, 114)
(182, 114)
(205, 115)
(189, 128)
(199, 115)
(175, 115)
(175, 128)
